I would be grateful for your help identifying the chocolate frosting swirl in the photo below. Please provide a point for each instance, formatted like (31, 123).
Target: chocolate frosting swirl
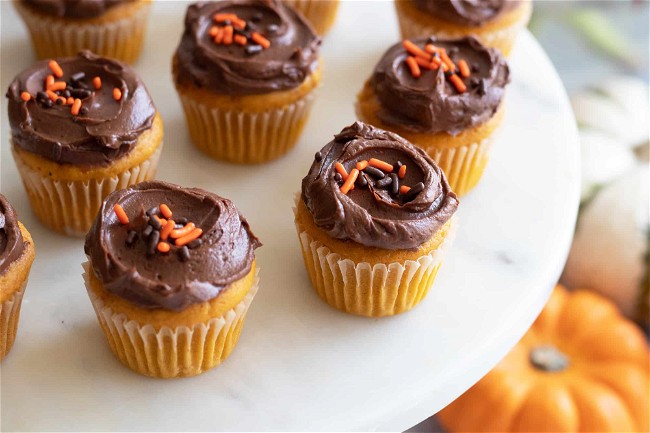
(371, 216)
(106, 132)
(73, 8)
(225, 254)
(12, 244)
(229, 69)
(430, 103)
(472, 13)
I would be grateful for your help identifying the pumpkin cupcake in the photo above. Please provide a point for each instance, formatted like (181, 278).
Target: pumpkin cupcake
(445, 96)
(109, 28)
(374, 220)
(246, 71)
(320, 13)
(16, 257)
(81, 127)
(171, 275)
(496, 23)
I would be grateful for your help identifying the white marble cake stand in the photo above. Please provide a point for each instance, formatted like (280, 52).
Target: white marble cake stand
(301, 365)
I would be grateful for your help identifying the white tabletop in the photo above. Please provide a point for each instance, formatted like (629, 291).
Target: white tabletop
(301, 365)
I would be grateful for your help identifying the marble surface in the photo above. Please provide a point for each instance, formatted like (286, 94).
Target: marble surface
(300, 365)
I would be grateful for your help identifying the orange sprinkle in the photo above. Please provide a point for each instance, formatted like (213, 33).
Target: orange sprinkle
(163, 247)
(119, 213)
(117, 94)
(167, 230)
(240, 39)
(404, 189)
(349, 183)
(458, 83)
(97, 83)
(430, 48)
(165, 211)
(25, 96)
(414, 49)
(227, 35)
(426, 64)
(413, 66)
(194, 234)
(464, 68)
(179, 233)
(260, 40)
(69, 101)
(56, 69)
(49, 80)
(162, 221)
(362, 164)
(62, 99)
(402, 172)
(59, 85)
(238, 23)
(218, 39)
(339, 167)
(382, 165)
(444, 66)
(213, 31)
(225, 17)
(76, 106)
(53, 96)
(446, 60)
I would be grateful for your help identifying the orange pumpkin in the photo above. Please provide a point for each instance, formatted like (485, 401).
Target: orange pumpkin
(580, 367)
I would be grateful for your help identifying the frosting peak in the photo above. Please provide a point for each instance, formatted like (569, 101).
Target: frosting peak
(11, 238)
(390, 207)
(466, 12)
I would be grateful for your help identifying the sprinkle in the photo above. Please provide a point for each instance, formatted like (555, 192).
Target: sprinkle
(184, 254)
(218, 39)
(165, 211)
(261, 40)
(430, 48)
(372, 171)
(383, 183)
(60, 101)
(240, 39)
(78, 76)
(25, 96)
(362, 164)
(83, 111)
(413, 66)
(179, 233)
(339, 167)
(117, 94)
(347, 185)
(194, 244)
(318, 157)
(194, 234)
(224, 17)
(227, 35)
(404, 189)
(432, 66)
(464, 68)
(167, 230)
(415, 190)
(97, 83)
(446, 60)
(458, 83)
(53, 96)
(181, 220)
(362, 181)
(155, 222)
(238, 23)
(49, 80)
(161, 221)
(272, 29)
(147, 231)
(56, 69)
(253, 49)
(213, 31)
(121, 215)
(394, 185)
(131, 237)
(402, 172)
(382, 165)
(163, 247)
(153, 243)
(76, 106)
(70, 101)
(59, 85)
(414, 49)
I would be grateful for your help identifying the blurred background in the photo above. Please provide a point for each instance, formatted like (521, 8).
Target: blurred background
(600, 50)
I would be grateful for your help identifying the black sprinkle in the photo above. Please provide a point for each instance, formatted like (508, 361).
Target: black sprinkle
(59, 101)
(474, 67)
(397, 166)
(66, 93)
(41, 96)
(394, 186)
(338, 178)
(147, 231)
(178, 226)
(431, 40)
(131, 237)
(153, 243)
(318, 157)
(413, 192)
(226, 23)
(253, 49)
(272, 29)
(83, 111)
(383, 183)
(481, 88)
(362, 181)
(181, 220)
(256, 18)
(152, 211)
(78, 76)
(155, 223)
(184, 253)
(474, 82)
(48, 103)
(450, 73)
(194, 244)
(374, 172)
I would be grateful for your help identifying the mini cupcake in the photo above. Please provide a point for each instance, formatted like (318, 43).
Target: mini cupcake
(171, 274)
(16, 257)
(81, 127)
(109, 28)
(320, 13)
(443, 96)
(374, 220)
(246, 71)
(496, 23)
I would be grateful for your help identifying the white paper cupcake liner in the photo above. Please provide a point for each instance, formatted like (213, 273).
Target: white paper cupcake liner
(367, 290)
(166, 352)
(246, 137)
(9, 316)
(55, 37)
(70, 207)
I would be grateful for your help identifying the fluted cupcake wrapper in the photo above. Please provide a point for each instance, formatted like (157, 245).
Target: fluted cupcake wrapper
(9, 316)
(463, 165)
(320, 13)
(384, 289)
(171, 352)
(55, 37)
(70, 207)
(246, 137)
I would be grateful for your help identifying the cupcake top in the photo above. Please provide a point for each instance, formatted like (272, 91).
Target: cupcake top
(433, 85)
(84, 110)
(12, 244)
(244, 47)
(472, 13)
(73, 8)
(400, 198)
(140, 256)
